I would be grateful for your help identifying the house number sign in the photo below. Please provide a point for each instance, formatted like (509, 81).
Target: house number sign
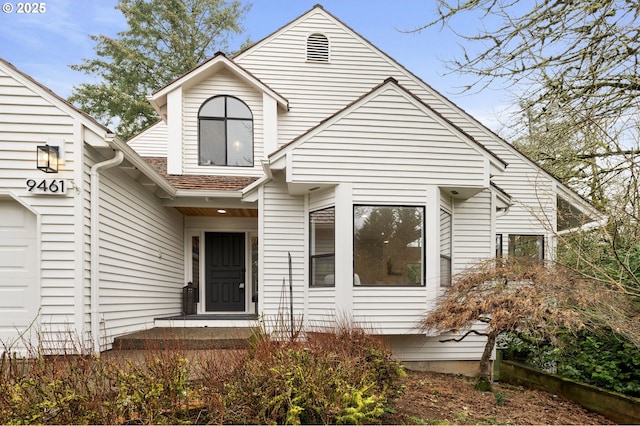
(47, 186)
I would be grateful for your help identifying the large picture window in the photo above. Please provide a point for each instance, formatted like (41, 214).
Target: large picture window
(322, 251)
(225, 132)
(388, 245)
(526, 246)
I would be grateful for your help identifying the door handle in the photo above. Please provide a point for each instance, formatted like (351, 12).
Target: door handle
(241, 285)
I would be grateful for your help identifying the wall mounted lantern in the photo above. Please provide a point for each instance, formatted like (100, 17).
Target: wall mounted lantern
(48, 158)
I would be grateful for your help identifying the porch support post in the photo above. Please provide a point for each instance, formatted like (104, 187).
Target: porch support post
(344, 251)
(432, 244)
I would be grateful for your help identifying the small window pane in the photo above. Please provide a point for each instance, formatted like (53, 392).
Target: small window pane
(212, 142)
(323, 271)
(388, 245)
(322, 250)
(237, 109)
(213, 108)
(240, 148)
(526, 246)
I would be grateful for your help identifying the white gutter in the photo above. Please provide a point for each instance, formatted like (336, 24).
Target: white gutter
(95, 245)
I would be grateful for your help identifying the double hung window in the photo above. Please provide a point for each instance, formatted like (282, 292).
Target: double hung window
(322, 251)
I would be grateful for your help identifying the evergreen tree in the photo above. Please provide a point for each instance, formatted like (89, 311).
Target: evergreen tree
(165, 39)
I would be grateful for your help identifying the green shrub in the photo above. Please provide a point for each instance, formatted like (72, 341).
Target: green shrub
(606, 360)
(53, 390)
(154, 392)
(338, 377)
(343, 377)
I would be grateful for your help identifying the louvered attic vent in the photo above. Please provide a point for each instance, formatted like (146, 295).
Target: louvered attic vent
(318, 48)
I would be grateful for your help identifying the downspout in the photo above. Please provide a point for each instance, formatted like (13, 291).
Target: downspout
(95, 245)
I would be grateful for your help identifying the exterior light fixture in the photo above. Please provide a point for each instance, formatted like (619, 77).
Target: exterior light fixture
(47, 158)
(222, 211)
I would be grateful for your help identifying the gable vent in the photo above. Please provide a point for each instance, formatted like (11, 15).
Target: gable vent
(318, 48)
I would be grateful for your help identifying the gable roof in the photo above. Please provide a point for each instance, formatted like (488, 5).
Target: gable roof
(206, 69)
(445, 102)
(108, 139)
(496, 161)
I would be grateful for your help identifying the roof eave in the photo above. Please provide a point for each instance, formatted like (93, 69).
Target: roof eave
(139, 163)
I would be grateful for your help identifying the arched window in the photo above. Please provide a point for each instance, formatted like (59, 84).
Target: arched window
(225, 132)
(318, 48)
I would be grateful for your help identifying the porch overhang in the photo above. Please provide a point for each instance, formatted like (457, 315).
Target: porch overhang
(210, 200)
(462, 192)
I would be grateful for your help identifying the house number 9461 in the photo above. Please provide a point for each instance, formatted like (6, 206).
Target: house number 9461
(47, 186)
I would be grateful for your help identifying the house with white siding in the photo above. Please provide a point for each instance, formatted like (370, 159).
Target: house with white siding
(310, 172)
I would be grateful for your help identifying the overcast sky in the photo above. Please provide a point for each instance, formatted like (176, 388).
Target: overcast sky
(44, 45)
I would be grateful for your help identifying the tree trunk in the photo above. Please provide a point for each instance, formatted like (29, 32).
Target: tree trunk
(485, 363)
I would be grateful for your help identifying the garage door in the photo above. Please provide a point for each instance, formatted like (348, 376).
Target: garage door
(19, 297)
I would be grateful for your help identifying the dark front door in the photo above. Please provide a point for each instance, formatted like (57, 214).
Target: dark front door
(225, 271)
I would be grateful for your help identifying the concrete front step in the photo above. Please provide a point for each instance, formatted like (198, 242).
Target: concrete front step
(187, 338)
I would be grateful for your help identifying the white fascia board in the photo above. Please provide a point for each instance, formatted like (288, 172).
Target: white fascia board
(95, 140)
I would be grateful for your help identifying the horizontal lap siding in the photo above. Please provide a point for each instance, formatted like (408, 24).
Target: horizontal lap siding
(430, 348)
(26, 121)
(375, 144)
(472, 231)
(284, 229)
(321, 199)
(314, 90)
(152, 142)
(321, 307)
(398, 193)
(141, 256)
(532, 198)
(224, 83)
(389, 310)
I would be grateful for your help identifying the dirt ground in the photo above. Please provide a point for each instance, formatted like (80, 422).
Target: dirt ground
(432, 398)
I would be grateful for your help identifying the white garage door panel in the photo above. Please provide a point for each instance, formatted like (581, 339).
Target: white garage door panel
(19, 298)
(14, 259)
(14, 300)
